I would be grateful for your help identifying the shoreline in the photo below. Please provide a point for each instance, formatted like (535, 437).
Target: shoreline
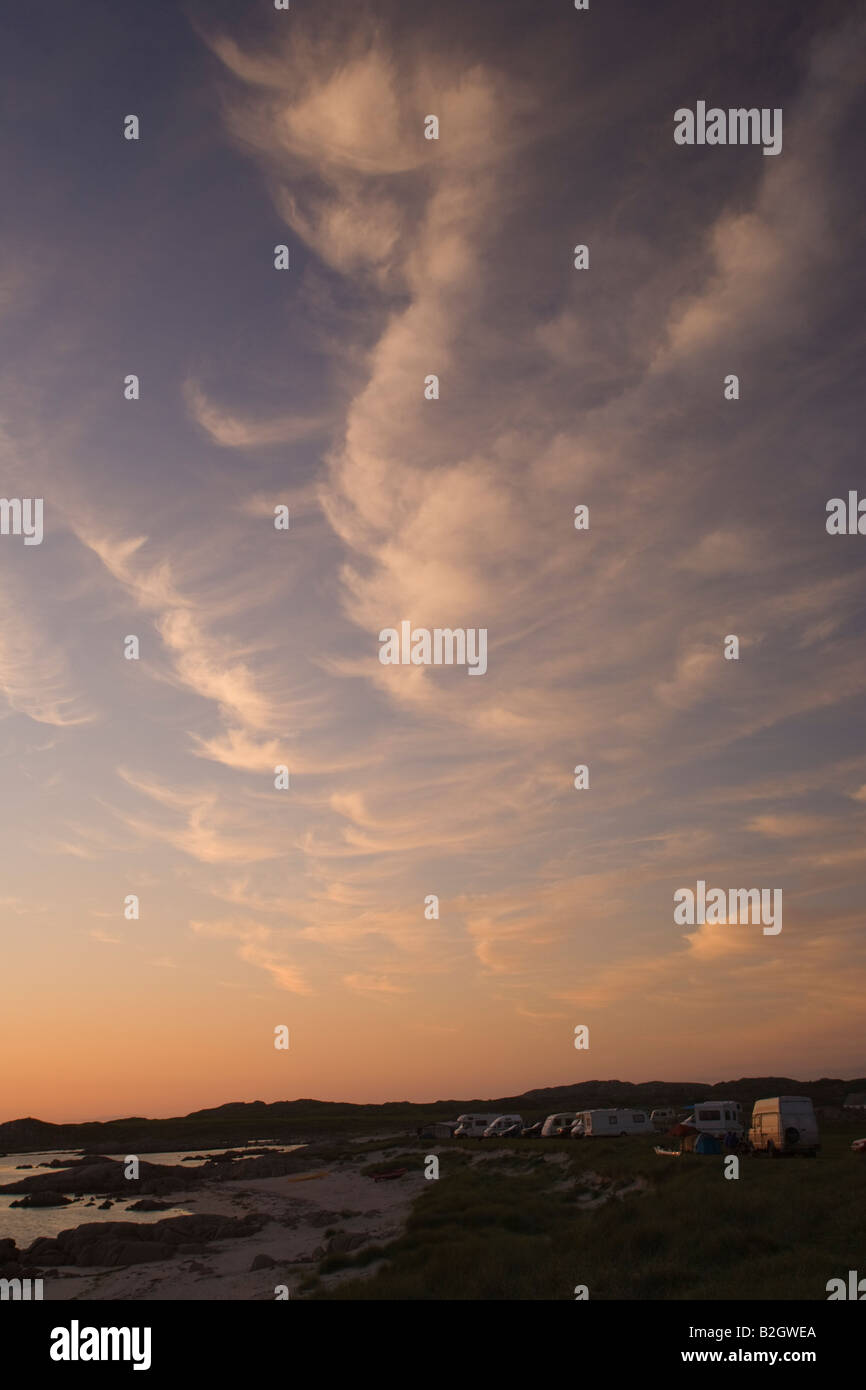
(297, 1218)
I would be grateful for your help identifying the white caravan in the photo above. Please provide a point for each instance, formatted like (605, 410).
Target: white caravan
(784, 1124)
(717, 1117)
(558, 1126)
(598, 1123)
(472, 1126)
(501, 1124)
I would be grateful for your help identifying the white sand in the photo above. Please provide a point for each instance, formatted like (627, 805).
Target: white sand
(223, 1270)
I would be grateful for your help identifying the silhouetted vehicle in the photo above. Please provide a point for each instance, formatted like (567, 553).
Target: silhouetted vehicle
(559, 1126)
(472, 1126)
(505, 1127)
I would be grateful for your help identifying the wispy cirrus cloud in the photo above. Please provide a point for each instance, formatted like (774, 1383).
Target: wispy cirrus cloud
(234, 432)
(257, 946)
(412, 257)
(35, 676)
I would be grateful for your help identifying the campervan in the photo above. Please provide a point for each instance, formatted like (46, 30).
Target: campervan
(664, 1118)
(501, 1125)
(558, 1126)
(718, 1117)
(472, 1126)
(614, 1123)
(784, 1124)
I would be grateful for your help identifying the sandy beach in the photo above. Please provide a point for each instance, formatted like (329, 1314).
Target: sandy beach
(307, 1215)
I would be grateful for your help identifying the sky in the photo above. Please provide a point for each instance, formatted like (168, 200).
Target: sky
(304, 907)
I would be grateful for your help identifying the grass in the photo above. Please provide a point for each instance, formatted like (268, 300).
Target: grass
(502, 1230)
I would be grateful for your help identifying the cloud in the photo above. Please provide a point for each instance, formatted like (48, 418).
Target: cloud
(238, 749)
(234, 432)
(373, 984)
(34, 672)
(207, 827)
(605, 646)
(256, 947)
(789, 825)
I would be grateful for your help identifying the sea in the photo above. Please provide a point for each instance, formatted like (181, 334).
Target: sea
(26, 1224)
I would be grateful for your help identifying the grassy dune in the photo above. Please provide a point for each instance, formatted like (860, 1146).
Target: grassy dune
(520, 1227)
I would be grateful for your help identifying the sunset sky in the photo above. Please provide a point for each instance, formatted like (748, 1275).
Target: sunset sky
(259, 647)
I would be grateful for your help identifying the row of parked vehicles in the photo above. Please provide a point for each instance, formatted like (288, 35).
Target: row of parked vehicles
(567, 1124)
(779, 1124)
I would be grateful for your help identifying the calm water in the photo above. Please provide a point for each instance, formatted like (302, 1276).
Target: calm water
(25, 1224)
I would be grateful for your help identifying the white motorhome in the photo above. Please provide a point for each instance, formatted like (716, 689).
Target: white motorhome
(501, 1124)
(784, 1124)
(663, 1118)
(717, 1117)
(598, 1123)
(558, 1126)
(472, 1126)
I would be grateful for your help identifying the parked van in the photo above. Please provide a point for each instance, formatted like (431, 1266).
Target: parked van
(784, 1124)
(664, 1118)
(472, 1126)
(501, 1125)
(558, 1126)
(598, 1123)
(718, 1117)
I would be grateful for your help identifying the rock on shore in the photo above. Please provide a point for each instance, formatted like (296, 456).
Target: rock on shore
(114, 1243)
(43, 1199)
(98, 1174)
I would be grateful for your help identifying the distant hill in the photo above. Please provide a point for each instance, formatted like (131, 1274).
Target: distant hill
(297, 1121)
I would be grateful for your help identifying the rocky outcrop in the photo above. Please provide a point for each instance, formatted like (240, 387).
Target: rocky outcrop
(8, 1259)
(343, 1242)
(106, 1175)
(43, 1199)
(114, 1243)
